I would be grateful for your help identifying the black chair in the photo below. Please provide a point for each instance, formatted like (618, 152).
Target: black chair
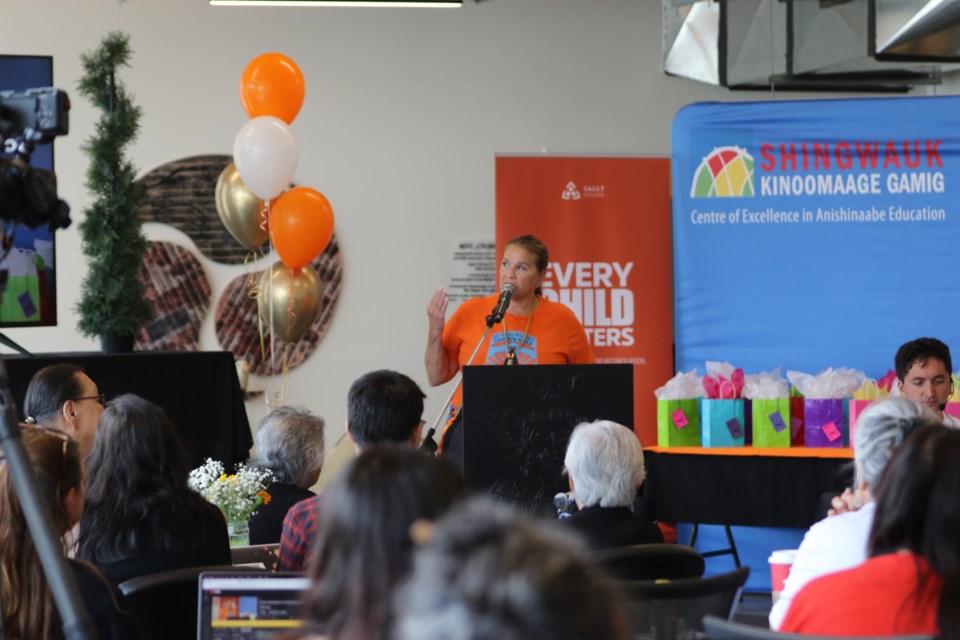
(720, 629)
(651, 562)
(264, 556)
(674, 610)
(166, 603)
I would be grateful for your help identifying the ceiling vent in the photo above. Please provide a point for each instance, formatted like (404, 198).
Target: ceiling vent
(825, 45)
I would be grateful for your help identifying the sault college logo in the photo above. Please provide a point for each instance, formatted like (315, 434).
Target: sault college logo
(571, 192)
(724, 172)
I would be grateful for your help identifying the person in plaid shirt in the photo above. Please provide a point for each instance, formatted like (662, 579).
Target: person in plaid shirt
(382, 407)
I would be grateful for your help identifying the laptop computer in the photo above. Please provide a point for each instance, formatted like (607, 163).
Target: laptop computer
(238, 605)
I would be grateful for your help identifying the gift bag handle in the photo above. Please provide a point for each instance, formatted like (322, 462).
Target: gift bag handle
(733, 387)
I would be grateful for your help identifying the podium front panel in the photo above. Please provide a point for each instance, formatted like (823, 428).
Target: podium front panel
(517, 423)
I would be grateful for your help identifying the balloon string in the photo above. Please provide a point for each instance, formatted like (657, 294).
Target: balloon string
(264, 216)
(263, 342)
(283, 374)
(291, 311)
(273, 336)
(253, 277)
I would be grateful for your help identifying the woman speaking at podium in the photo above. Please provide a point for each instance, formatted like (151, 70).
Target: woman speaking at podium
(533, 330)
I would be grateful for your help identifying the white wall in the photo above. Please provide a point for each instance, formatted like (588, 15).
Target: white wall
(405, 109)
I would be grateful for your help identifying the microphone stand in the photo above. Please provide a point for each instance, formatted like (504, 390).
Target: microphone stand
(77, 625)
(428, 444)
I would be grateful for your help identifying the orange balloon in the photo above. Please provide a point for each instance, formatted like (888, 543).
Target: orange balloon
(272, 85)
(301, 225)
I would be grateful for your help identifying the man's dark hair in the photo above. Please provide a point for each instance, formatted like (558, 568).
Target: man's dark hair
(383, 406)
(921, 350)
(49, 388)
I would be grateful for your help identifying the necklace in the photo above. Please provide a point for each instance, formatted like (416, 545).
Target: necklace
(512, 348)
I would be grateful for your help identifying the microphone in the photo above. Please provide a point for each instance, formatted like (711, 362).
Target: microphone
(563, 502)
(503, 302)
(943, 405)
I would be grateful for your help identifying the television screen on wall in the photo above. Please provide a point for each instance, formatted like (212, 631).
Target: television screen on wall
(28, 273)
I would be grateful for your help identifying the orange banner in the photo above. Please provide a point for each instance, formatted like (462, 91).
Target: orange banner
(606, 222)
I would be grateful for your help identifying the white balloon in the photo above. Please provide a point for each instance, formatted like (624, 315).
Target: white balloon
(266, 154)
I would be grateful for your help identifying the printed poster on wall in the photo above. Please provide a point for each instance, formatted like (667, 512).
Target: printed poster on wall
(814, 234)
(606, 223)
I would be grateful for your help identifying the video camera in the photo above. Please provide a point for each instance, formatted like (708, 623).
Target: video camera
(29, 196)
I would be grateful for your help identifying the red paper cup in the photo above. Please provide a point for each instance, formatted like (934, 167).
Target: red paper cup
(780, 563)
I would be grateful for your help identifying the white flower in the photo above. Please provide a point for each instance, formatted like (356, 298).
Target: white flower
(238, 494)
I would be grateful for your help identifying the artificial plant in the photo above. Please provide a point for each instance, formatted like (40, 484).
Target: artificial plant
(112, 303)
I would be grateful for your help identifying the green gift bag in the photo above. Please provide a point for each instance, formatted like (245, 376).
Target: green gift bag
(678, 423)
(771, 422)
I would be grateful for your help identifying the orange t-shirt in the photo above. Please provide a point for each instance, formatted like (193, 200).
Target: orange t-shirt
(555, 336)
(892, 594)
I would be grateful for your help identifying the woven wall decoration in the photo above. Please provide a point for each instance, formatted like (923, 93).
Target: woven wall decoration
(179, 290)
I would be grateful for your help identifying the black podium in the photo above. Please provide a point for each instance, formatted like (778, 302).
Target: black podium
(517, 422)
(199, 390)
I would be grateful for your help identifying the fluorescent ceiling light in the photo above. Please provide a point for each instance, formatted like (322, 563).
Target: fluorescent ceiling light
(337, 3)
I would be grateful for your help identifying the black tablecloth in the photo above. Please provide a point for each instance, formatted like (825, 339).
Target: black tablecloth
(198, 390)
(760, 491)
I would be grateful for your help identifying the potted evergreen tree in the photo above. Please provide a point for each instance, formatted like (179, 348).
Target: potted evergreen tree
(112, 303)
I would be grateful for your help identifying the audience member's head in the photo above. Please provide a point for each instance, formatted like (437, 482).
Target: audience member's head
(26, 605)
(604, 462)
(289, 442)
(384, 407)
(923, 371)
(64, 397)
(880, 429)
(363, 547)
(917, 510)
(487, 574)
(136, 474)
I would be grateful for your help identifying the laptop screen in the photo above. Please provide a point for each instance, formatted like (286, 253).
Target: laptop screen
(248, 605)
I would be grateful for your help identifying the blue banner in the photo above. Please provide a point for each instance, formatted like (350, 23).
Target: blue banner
(809, 234)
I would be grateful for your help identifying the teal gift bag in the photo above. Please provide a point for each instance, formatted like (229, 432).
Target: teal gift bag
(678, 423)
(722, 422)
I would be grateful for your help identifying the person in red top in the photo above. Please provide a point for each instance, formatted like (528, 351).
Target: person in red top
(534, 330)
(911, 582)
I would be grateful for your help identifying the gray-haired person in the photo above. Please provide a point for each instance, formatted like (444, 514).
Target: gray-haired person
(604, 463)
(840, 542)
(289, 442)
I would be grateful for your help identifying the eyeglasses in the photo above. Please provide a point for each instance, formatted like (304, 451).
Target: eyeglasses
(101, 398)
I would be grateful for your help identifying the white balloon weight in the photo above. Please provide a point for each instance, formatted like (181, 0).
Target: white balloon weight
(266, 154)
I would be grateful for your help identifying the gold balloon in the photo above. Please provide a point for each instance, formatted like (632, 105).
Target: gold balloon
(296, 300)
(239, 209)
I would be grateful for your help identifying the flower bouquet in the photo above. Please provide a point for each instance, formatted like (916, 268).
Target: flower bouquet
(237, 495)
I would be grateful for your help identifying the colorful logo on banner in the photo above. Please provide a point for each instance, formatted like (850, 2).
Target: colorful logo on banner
(823, 168)
(725, 172)
(794, 224)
